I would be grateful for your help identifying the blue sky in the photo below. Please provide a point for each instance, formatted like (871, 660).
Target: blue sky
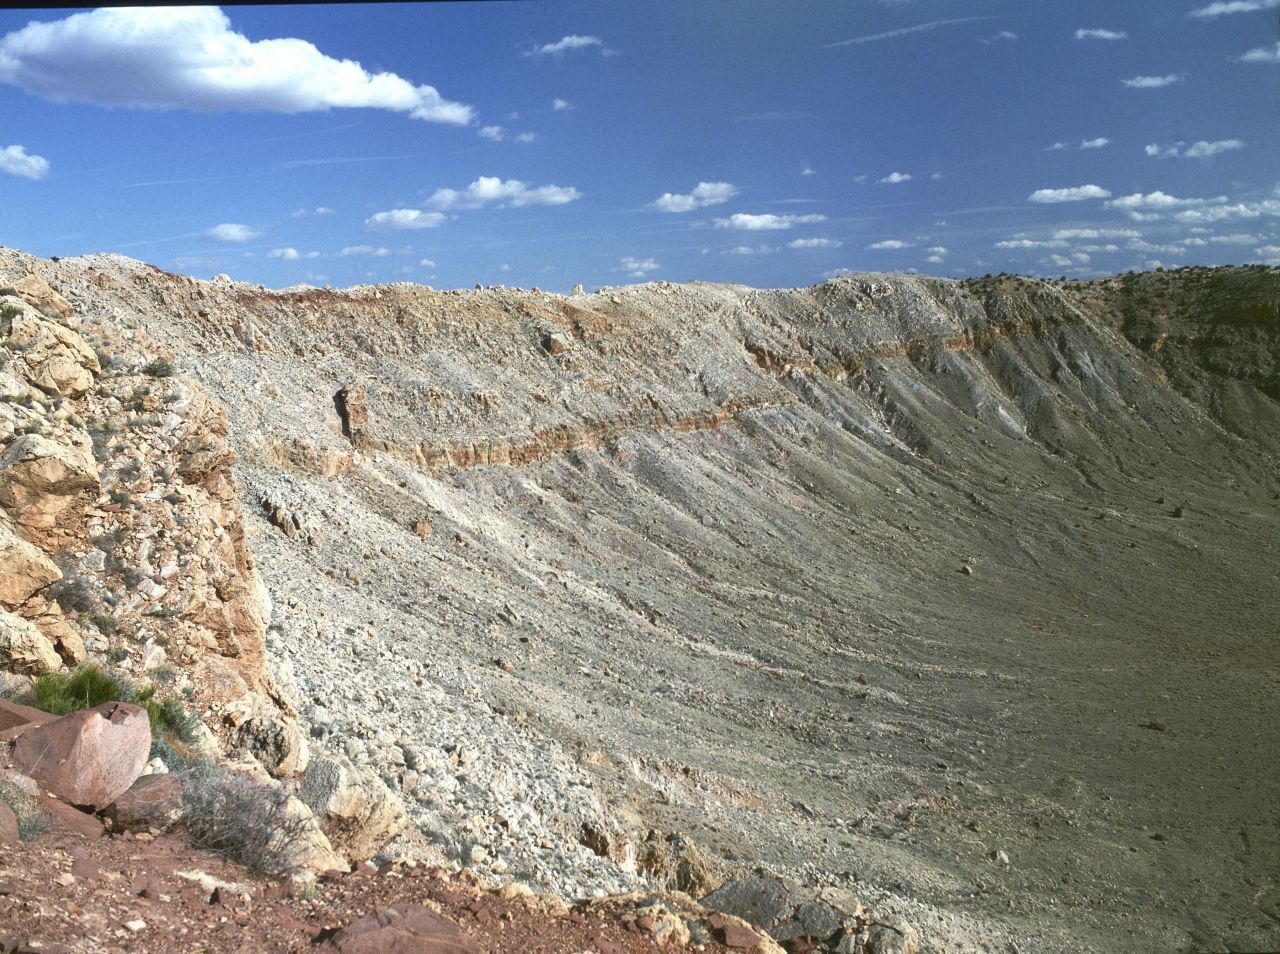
(768, 143)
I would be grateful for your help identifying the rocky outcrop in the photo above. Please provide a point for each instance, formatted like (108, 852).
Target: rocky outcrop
(53, 358)
(408, 929)
(355, 809)
(24, 649)
(90, 757)
(24, 570)
(35, 291)
(41, 480)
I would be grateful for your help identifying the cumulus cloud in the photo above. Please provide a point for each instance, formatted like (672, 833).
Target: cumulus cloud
(751, 250)
(1101, 35)
(426, 263)
(1073, 194)
(370, 250)
(637, 267)
(1070, 234)
(564, 44)
(16, 161)
(1024, 243)
(747, 222)
(1263, 54)
(1234, 6)
(291, 254)
(889, 244)
(1158, 200)
(894, 178)
(703, 194)
(510, 192)
(190, 58)
(815, 243)
(400, 220)
(1098, 143)
(560, 105)
(494, 133)
(1152, 82)
(234, 233)
(808, 171)
(1197, 150)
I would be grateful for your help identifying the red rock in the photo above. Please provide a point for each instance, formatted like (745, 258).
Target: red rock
(90, 757)
(16, 719)
(412, 929)
(8, 825)
(70, 819)
(151, 802)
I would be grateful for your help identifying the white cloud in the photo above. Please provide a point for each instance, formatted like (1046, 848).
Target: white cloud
(1234, 6)
(1060, 260)
(511, 192)
(399, 220)
(1069, 234)
(1197, 150)
(767, 222)
(1158, 200)
(526, 137)
(814, 243)
(322, 210)
(889, 244)
(938, 250)
(637, 267)
(1152, 82)
(1098, 143)
(808, 171)
(894, 178)
(904, 31)
(370, 250)
(1029, 243)
(571, 42)
(16, 161)
(494, 133)
(1101, 35)
(1094, 249)
(1262, 54)
(190, 58)
(751, 250)
(1003, 35)
(287, 254)
(560, 105)
(426, 263)
(1073, 194)
(935, 177)
(1225, 213)
(703, 194)
(935, 259)
(1236, 239)
(234, 232)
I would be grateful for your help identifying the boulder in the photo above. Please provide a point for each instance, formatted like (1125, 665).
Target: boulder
(8, 825)
(153, 802)
(410, 929)
(40, 479)
(355, 808)
(16, 719)
(23, 649)
(51, 357)
(303, 845)
(24, 569)
(35, 291)
(90, 757)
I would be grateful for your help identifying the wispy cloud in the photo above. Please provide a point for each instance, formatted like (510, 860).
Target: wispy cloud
(1004, 36)
(234, 233)
(1153, 82)
(703, 194)
(401, 220)
(502, 134)
(747, 222)
(894, 178)
(1100, 142)
(1197, 150)
(1101, 35)
(365, 250)
(1073, 194)
(814, 243)
(565, 44)
(16, 161)
(511, 192)
(1263, 54)
(637, 267)
(560, 105)
(1234, 6)
(904, 31)
(190, 58)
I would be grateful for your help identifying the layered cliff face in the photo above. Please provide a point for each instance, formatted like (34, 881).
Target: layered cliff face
(961, 592)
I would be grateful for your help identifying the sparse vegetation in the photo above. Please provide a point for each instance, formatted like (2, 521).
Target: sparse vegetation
(159, 368)
(245, 819)
(31, 817)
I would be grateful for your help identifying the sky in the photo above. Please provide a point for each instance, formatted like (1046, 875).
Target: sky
(548, 144)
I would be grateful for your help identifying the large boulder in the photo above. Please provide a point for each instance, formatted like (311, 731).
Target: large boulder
(24, 569)
(153, 802)
(23, 649)
(40, 479)
(90, 757)
(16, 719)
(35, 291)
(51, 357)
(355, 808)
